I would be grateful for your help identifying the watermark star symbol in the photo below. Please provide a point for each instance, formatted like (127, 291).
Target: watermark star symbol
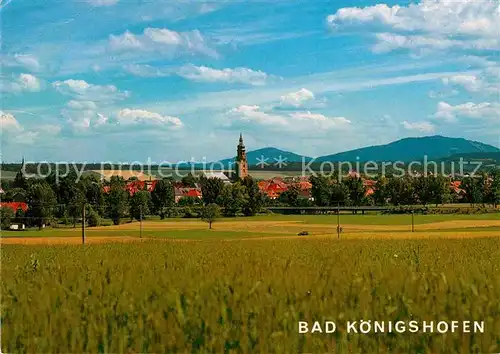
(280, 161)
(262, 161)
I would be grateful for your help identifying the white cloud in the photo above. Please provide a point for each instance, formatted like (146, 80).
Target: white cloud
(320, 119)
(484, 110)
(488, 81)
(202, 73)
(81, 120)
(423, 127)
(236, 75)
(470, 82)
(102, 2)
(9, 122)
(81, 90)
(13, 133)
(28, 61)
(144, 70)
(254, 114)
(83, 115)
(124, 41)
(295, 121)
(29, 82)
(139, 116)
(23, 82)
(422, 44)
(296, 99)
(81, 105)
(431, 24)
(162, 40)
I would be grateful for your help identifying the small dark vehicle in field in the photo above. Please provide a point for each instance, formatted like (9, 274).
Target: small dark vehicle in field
(303, 233)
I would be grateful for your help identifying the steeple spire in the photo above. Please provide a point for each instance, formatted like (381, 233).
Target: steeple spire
(241, 160)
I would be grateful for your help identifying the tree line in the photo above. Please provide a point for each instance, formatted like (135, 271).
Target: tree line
(52, 201)
(396, 191)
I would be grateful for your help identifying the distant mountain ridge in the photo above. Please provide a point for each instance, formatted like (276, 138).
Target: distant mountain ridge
(407, 149)
(410, 149)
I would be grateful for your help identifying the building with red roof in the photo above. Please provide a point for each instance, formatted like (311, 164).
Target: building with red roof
(273, 187)
(185, 192)
(133, 187)
(15, 206)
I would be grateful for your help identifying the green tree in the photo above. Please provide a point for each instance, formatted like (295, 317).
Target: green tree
(19, 181)
(231, 199)
(339, 194)
(41, 202)
(356, 190)
(7, 216)
(423, 189)
(211, 188)
(291, 195)
(189, 180)
(76, 204)
(401, 191)
(493, 196)
(254, 198)
(94, 194)
(162, 197)
(439, 189)
(117, 181)
(473, 190)
(321, 190)
(210, 213)
(380, 193)
(139, 204)
(92, 217)
(188, 201)
(117, 203)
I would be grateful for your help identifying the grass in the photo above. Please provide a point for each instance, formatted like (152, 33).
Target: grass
(348, 218)
(242, 297)
(277, 226)
(379, 219)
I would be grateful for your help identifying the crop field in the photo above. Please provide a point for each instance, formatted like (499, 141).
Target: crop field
(271, 227)
(244, 286)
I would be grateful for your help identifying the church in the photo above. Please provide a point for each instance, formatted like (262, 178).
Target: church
(241, 163)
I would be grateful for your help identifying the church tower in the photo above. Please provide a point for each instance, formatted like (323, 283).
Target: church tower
(241, 160)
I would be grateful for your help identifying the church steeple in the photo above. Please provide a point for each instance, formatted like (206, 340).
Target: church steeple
(241, 160)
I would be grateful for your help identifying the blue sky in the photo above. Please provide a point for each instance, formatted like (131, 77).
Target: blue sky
(127, 80)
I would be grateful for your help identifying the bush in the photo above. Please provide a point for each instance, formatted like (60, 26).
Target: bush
(191, 212)
(93, 219)
(7, 216)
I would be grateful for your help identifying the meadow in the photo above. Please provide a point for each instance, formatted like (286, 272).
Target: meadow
(244, 286)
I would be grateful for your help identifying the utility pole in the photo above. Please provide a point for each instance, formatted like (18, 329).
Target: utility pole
(338, 220)
(140, 221)
(83, 224)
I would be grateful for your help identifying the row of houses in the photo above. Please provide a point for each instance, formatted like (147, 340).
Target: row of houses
(180, 191)
(272, 188)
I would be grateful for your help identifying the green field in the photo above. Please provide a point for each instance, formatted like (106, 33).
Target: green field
(275, 225)
(244, 286)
